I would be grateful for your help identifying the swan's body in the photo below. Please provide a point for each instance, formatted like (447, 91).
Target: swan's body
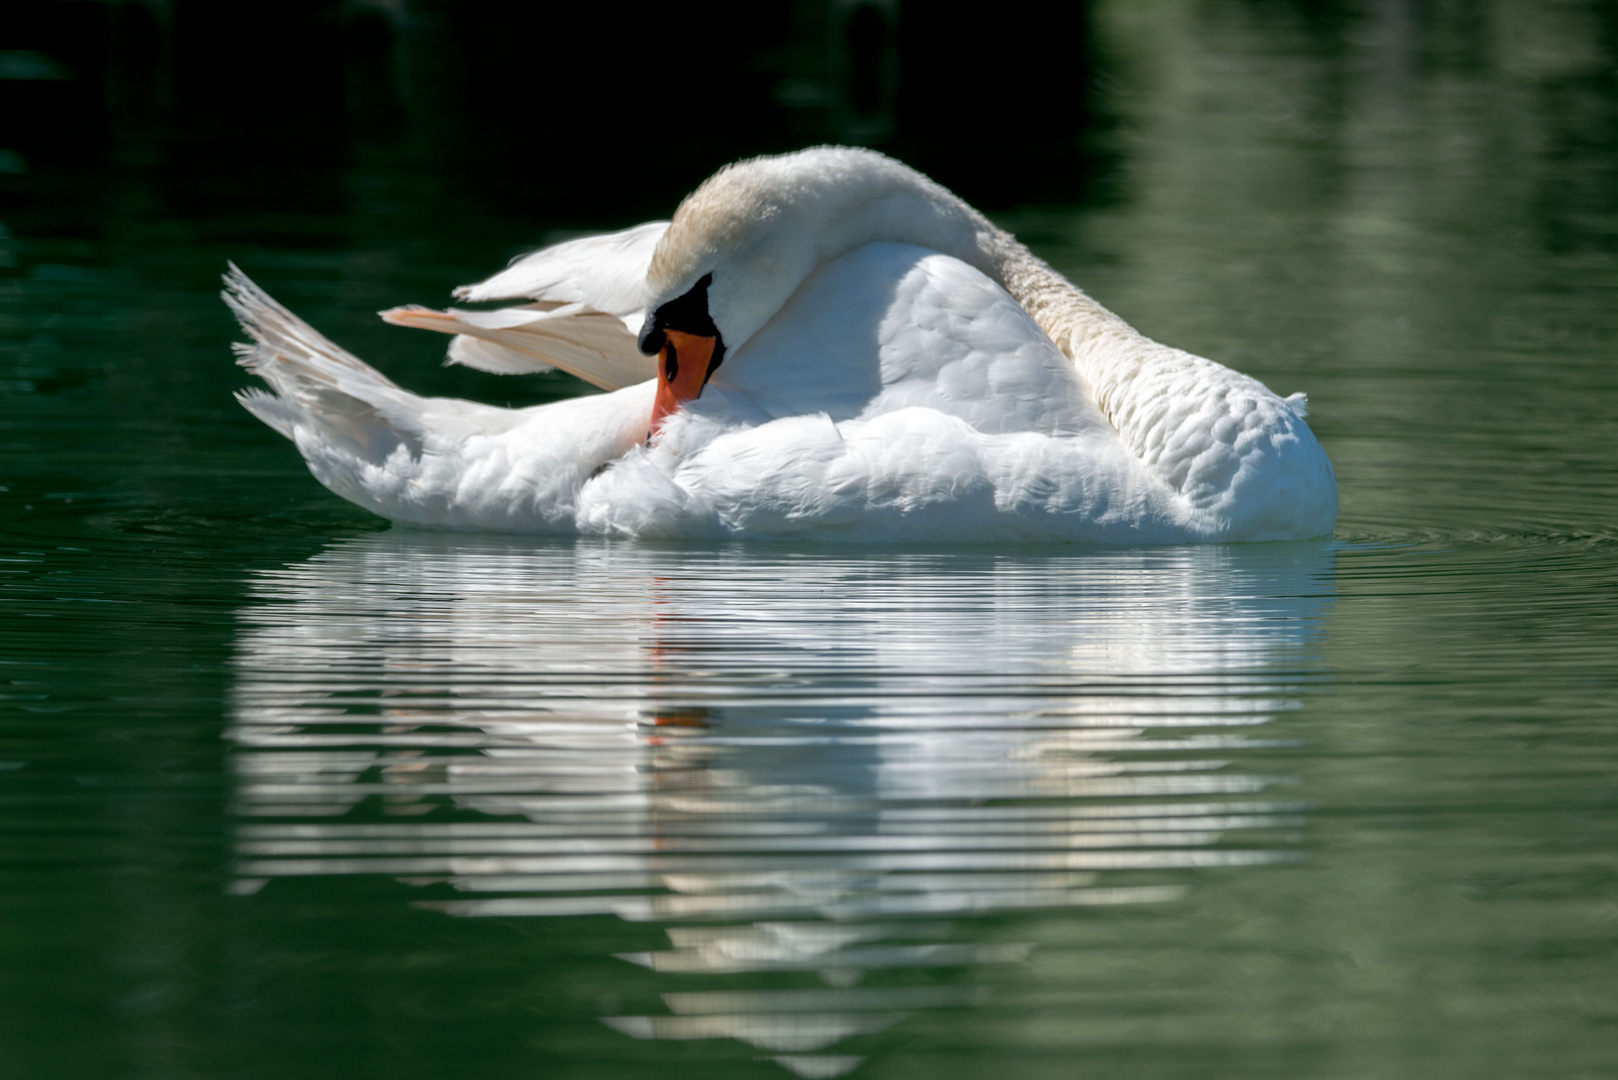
(889, 366)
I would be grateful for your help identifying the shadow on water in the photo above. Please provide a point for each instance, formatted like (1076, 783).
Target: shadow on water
(830, 808)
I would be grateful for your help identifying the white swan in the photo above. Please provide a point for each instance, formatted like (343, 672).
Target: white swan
(840, 348)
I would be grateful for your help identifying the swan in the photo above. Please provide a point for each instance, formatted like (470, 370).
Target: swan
(825, 344)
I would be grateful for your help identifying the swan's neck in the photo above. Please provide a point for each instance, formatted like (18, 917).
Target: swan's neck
(1062, 309)
(1114, 359)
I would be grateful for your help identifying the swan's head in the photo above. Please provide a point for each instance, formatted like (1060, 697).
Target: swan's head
(742, 243)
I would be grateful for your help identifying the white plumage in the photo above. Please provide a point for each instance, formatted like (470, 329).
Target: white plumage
(897, 369)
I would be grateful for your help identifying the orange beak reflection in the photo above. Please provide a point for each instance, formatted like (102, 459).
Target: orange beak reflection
(682, 369)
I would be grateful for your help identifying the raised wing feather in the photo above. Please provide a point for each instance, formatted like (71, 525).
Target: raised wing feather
(607, 273)
(585, 311)
(595, 346)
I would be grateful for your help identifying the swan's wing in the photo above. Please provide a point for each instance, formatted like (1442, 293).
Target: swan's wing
(597, 347)
(585, 312)
(607, 273)
(891, 326)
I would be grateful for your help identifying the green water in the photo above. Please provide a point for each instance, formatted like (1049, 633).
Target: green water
(287, 792)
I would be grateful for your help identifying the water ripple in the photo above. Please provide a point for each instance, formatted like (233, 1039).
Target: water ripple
(800, 764)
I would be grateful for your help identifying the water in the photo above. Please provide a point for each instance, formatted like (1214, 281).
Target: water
(290, 792)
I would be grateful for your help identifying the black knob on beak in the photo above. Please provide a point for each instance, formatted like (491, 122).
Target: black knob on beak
(651, 337)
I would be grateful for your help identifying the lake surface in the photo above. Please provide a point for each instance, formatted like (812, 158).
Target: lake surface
(290, 792)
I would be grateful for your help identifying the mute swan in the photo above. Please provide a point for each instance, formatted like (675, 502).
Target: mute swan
(826, 344)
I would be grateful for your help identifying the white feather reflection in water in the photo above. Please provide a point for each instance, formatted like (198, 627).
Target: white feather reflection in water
(799, 761)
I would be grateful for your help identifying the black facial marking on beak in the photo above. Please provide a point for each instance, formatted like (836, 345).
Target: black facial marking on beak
(688, 312)
(671, 362)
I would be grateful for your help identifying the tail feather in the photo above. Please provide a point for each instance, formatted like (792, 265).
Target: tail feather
(279, 334)
(278, 413)
(340, 412)
(326, 390)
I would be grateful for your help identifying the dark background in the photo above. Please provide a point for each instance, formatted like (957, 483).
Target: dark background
(587, 114)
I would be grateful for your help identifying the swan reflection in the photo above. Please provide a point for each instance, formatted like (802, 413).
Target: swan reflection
(821, 763)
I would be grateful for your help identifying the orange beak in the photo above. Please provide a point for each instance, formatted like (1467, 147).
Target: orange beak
(682, 369)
